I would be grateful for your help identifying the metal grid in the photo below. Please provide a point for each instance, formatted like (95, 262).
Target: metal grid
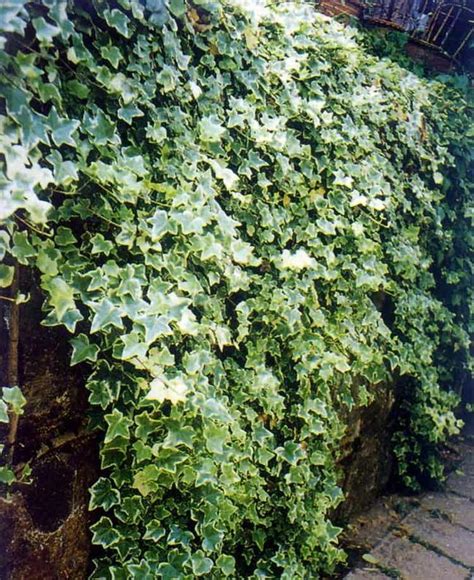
(445, 25)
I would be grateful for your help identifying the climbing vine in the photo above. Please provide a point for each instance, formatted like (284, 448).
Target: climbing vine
(239, 215)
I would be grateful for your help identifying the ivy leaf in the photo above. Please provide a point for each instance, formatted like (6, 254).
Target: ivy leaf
(100, 128)
(179, 435)
(174, 390)
(226, 564)
(112, 54)
(130, 509)
(146, 480)
(78, 89)
(129, 113)
(6, 275)
(61, 296)
(215, 438)
(14, 398)
(6, 475)
(291, 452)
(159, 222)
(22, 249)
(118, 426)
(3, 412)
(45, 32)
(214, 409)
(212, 538)
(106, 315)
(177, 7)
(10, 20)
(47, 262)
(62, 129)
(210, 129)
(103, 495)
(154, 531)
(64, 237)
(100, 245)
(201, 564)
(141, 571)
(82, 350)
(104, 533)
(103, 393)
(133, 347)
(118, 20)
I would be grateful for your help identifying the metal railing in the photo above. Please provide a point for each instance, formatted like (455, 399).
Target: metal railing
(445, 25)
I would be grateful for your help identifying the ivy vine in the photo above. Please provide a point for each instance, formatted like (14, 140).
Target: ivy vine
(223, 200)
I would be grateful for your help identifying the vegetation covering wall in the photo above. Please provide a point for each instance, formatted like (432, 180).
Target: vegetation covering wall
(246, 223)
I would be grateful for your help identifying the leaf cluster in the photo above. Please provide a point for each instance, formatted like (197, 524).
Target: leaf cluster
(246, 222)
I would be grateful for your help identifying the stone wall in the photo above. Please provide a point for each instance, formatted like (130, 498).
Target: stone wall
(44, 524)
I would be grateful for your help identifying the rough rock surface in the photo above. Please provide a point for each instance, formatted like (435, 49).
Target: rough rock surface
(44, 523)
(366, 458)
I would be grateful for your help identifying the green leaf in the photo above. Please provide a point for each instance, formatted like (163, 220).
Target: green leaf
(141, 571)
(61, 296)
(154, 531)
(106, 315)
(104, 533)
(6, 275)
(291, 452)
(45, 32)
(210, 129)
(370, 559)
(118, 20)
(14, 398)
(118, 426)
(103, 495)
(100, 245)
(78, 89)
(103, 392)
(47, 262)
(179, 434)
(226, 564)
(82, 350)
(100, 127)
(62, 129)
(129, 113)
(22, 249)
(177, 7)
(215, 438)
(3, 412)
(130, 509)
(112, 54)
(146, 480)
(201, 564)
(6, 475)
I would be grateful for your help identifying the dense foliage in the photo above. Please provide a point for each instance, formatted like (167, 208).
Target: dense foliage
(246, 222)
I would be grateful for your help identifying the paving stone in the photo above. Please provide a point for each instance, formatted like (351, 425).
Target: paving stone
(370, 528)
(468, 464)
(415, 562)
(366, 574)
(461, 484)
(452, 540)
(457, 510)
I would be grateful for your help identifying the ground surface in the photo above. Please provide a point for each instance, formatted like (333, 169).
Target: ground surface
(430, 537)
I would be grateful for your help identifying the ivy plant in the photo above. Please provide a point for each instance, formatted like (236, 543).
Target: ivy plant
(246, 222)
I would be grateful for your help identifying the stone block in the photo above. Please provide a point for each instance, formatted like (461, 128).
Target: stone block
(415, 562)
(461, 484)
(450, 539)
(450, 507)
